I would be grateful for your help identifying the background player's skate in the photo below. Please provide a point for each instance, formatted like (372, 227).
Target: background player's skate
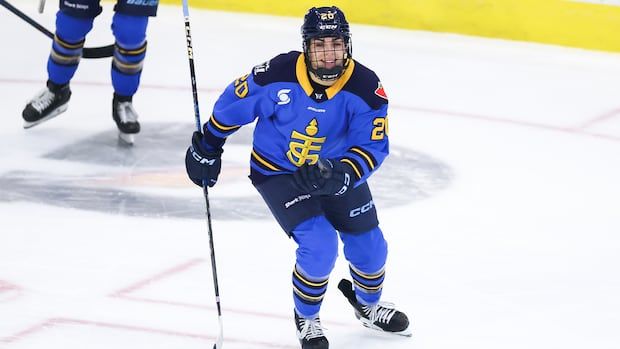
(126, 118)
(48, 103)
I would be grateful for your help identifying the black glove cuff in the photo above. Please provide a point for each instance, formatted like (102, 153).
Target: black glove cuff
(348, 168)
(204, 148)
(213, 140)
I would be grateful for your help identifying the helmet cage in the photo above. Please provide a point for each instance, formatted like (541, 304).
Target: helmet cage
(325, 22)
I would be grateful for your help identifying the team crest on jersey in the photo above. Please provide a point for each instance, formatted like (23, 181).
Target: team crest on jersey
(305, 147)
(380, 91)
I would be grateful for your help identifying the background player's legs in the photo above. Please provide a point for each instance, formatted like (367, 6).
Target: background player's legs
(67, 47)
(129, 53)
(71, 29)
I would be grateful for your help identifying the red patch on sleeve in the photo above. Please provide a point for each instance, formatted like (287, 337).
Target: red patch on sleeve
(380, 91)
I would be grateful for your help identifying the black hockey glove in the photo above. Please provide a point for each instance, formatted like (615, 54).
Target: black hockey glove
(201, 163)
(326, 177)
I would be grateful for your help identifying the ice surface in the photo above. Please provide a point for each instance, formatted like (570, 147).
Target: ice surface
(500, 201)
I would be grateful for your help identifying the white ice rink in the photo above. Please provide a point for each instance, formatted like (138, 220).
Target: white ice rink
(500, 201)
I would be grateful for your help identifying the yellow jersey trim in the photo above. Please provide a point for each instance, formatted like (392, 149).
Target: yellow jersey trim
(264, 162)
(357, 172)
(302, 75)
(220, 126)
(365, 156)
(301, 70)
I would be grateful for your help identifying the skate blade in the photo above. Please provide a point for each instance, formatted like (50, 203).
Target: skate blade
(126, 139)
(63, 108)
(405, 333)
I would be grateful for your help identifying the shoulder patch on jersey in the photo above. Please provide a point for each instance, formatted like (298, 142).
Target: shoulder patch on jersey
(380, 91)
(279, 69)
(365, 84)
(261, 68)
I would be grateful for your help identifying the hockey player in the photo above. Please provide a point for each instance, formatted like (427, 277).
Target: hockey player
(74, 20)
(321, 132)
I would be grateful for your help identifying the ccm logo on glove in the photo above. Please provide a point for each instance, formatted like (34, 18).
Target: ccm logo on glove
(202, 162)
(200, 159)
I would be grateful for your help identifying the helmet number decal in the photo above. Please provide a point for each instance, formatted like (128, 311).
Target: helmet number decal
(327, 16)
(381, 128)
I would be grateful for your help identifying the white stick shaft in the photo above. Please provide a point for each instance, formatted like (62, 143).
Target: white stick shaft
(41, 6)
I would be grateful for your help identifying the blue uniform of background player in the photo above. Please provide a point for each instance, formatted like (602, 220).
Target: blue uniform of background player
(74, 20)
(321, 132)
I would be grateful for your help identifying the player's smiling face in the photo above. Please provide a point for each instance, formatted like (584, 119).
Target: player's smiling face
(327, 52)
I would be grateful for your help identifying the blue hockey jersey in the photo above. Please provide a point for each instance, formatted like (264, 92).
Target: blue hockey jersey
(299, 122)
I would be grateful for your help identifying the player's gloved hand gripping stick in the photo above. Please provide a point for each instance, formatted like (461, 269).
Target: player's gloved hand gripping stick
(203, 162)
(326, 177)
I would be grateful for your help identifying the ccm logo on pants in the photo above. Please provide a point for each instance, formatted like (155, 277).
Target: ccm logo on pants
(363, 209)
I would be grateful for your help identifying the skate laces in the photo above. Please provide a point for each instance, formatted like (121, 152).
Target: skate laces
(43, 100)
(126, 112)
(381, 312)
(310, 328)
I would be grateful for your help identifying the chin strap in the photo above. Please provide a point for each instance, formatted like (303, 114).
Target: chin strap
(328, 74)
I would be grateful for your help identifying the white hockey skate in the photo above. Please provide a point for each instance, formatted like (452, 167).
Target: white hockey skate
(126, 119)
(310, 333)
(381, 317)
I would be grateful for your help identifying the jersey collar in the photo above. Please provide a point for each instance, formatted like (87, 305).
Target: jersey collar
(304, 81)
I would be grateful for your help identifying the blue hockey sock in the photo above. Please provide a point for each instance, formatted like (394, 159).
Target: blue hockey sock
(67, 47)
(316, 256)
(129, 52)
(366, 254)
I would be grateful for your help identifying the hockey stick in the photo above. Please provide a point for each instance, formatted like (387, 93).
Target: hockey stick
(41, 6)
(87, 52)
(190, 55)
